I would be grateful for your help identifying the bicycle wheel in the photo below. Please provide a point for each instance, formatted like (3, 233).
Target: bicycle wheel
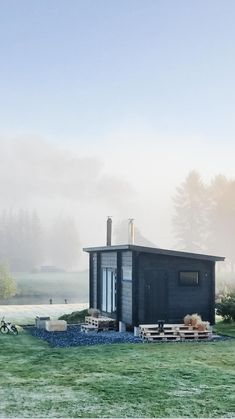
(14, 330)
(4, 330)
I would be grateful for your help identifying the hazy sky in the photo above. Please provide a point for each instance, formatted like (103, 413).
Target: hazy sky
(106, 105)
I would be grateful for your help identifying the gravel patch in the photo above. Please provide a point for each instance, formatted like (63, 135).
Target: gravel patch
(74, 337)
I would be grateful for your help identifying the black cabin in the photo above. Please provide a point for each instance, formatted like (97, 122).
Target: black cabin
(141, 285)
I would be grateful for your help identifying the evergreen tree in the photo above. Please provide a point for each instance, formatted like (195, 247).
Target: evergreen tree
(64, 245)
(222, 216)
(190, 219)
(20, 240)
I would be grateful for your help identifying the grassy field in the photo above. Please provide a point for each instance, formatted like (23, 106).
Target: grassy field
(226, 328)
(142, 380)
(38, 288)
(23, 315)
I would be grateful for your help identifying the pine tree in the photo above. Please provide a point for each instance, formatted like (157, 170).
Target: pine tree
(64, 245)
(222, 225)
(189, 222)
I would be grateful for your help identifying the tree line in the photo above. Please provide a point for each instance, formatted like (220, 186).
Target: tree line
(204, 216)
(25, 244)
(204, 221)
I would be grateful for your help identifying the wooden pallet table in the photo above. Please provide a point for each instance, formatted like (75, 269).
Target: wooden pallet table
(161, 337)
(88, 328)
(101, 323)
(194, 334)
(171, 332)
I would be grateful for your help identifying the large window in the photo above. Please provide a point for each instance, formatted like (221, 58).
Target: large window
(189, 278)
(109, 290)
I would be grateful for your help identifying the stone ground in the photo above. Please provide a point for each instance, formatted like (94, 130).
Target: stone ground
(25, 314)
(74, 337)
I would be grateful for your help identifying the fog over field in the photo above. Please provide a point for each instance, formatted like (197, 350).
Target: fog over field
(98, 121)
(71, 192)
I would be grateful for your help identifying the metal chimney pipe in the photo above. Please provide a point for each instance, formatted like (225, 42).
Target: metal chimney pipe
(131, 231)
(109, 231)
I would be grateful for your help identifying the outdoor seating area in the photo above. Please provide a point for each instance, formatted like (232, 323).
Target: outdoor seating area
(101, 330)
(172, 332)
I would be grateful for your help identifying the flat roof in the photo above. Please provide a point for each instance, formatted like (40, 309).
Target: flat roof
(155, 250)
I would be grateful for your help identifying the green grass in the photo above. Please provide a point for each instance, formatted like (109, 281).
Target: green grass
(224, 328)
(144, 380)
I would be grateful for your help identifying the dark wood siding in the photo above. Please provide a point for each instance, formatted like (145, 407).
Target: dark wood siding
(180, 300)
(109, 260)
(94, 285)
(126, 289)
(154, 290)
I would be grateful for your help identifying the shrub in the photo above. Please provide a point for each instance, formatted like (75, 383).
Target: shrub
(226, 307)
(192, 319)
(94, 312)
(187, 320)
(75, 316)
(8, 286)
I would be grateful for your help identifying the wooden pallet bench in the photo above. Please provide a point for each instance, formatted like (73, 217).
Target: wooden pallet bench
(99, 323)
(171, 332)
(88, 328)
(195, 334)
(161, 337)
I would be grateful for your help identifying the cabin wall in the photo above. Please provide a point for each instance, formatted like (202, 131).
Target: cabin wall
(124, 282)
(126, 287)
(180, 300)
(93, 273)
(109, 260)
(135, 269)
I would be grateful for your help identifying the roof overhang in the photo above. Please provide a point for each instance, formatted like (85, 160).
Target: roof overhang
(155, 250)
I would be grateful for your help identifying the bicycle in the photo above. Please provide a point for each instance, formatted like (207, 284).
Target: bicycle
(7, 327)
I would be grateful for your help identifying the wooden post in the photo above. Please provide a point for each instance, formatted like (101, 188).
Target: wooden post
(212, 293)
(99, 285)
(91, 279)
(135, 288)
(119, 285)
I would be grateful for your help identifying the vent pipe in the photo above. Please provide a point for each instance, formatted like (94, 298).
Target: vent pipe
(131, 231)
(109, 231)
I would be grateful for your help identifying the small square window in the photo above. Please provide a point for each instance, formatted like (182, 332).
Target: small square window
(189, 278)
(126, 274)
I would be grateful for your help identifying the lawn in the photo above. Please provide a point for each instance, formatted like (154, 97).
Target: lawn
(225, 328)
(141, 380)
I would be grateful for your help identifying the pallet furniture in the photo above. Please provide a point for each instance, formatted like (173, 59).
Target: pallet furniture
(172, 332)
(88, 328)
(96, 324)
(56, 325)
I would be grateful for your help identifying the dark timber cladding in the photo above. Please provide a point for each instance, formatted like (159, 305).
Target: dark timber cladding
(137, 284)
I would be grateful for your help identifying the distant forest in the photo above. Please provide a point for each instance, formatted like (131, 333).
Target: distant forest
(25, 244)
(203, 221)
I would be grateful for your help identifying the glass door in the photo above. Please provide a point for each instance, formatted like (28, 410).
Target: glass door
(109, 290)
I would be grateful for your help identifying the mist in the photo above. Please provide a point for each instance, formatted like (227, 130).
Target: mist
(57, 182)
(66, 186)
